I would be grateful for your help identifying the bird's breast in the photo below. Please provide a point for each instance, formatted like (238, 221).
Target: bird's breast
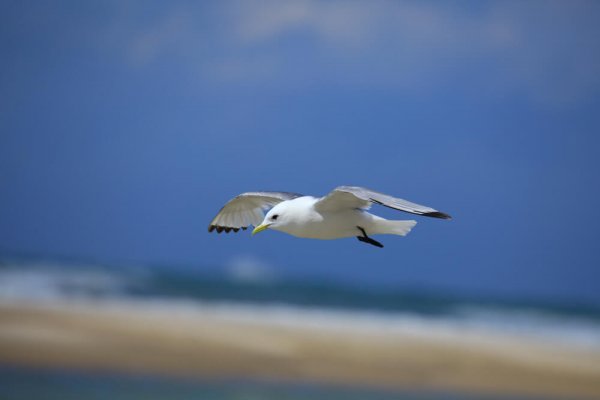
(329, 225)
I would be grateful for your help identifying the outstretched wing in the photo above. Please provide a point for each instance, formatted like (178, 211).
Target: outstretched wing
(359, 197)
(247, 209)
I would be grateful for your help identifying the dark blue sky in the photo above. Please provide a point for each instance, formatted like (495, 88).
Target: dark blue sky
(124, 127)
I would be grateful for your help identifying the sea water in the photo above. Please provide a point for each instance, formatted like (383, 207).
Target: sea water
(26, 384)
(322, 304)
(300, 304)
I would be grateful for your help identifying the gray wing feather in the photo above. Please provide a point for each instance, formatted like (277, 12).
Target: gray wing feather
(247, 209)
(359, 197)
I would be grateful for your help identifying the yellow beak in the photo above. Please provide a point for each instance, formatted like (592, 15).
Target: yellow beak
(260, 228)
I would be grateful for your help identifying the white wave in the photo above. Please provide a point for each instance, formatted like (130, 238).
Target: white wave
(481, 323)
(250, 269)
(468, 329)
(52, 283)
(533, 323)
(47, 282)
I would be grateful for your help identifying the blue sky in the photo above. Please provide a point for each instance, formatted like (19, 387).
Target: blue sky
(124, 127)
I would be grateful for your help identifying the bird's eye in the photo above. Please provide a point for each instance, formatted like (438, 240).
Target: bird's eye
(274, 217)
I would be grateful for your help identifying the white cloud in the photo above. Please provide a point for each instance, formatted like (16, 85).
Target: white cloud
(151, 43)
(545, 51)
(342, 23)
(537, 49)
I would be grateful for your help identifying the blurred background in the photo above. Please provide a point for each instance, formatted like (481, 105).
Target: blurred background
(126, 125)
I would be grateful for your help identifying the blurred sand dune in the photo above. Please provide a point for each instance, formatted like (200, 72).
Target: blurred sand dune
(133, 338)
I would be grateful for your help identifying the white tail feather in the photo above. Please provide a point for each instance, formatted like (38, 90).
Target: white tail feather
(401, 228)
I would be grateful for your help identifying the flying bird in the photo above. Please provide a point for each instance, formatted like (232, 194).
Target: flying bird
(341, 213)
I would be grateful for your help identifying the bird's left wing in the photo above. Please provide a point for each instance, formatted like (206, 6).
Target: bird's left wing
(247, 209)
(359, 197)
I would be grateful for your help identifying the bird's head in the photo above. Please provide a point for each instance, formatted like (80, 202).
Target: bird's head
(276, 218)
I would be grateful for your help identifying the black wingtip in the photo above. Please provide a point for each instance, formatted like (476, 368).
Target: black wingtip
(438, 214)
(227, 229)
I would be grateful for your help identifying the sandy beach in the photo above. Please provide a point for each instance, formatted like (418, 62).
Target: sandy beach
(209, 343)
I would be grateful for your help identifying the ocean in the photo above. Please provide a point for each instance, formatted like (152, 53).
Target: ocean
(321, 305)
(330, 303)
(16, 384)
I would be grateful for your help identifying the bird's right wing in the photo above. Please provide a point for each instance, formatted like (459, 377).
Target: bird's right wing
(247, 209)
(344, 197)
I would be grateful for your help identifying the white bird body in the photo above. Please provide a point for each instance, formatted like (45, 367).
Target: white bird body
(300, 218)
(340, 214)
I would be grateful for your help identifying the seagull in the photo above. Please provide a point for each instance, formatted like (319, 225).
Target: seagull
(341, 213)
